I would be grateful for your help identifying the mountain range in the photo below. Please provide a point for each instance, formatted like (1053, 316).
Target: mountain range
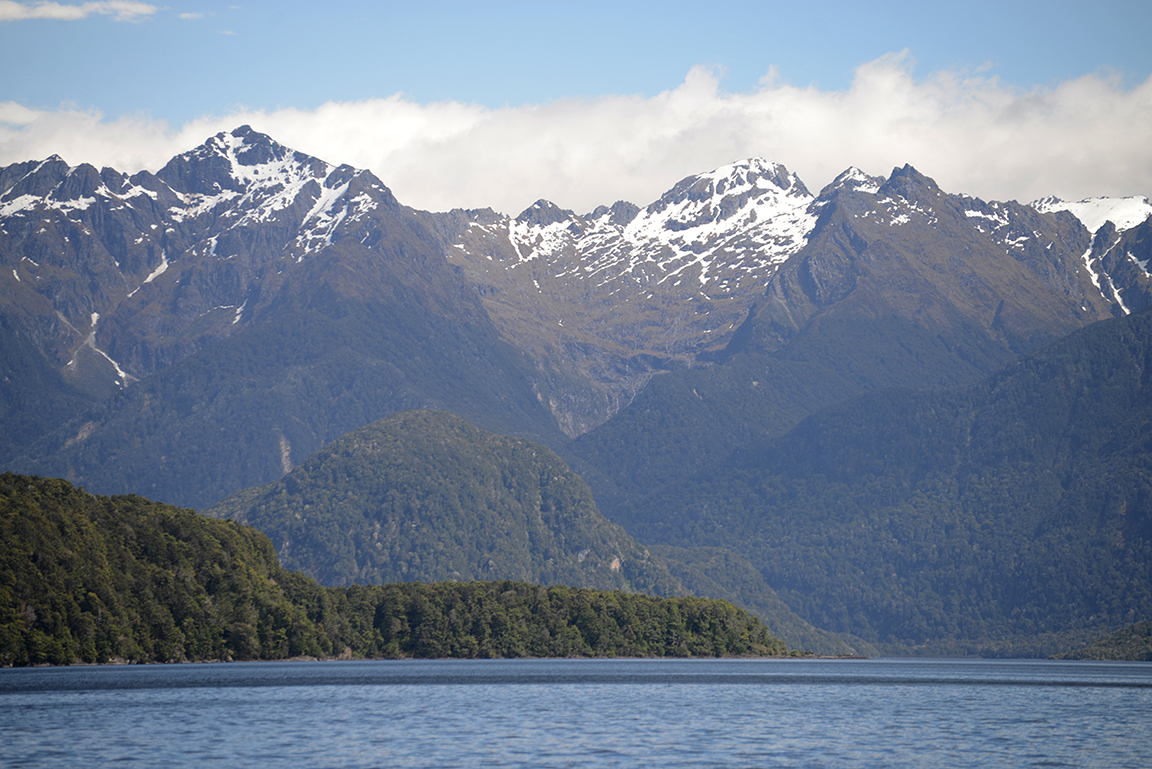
(205, 329)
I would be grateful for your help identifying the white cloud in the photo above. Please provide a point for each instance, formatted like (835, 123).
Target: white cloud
(122, 11)
(1085, 137)
(13, 114)
(191, 16)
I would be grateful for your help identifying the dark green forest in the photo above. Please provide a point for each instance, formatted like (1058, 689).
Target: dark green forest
(1012, 517)
(94, 579)
(425, 496)
(1131, 643)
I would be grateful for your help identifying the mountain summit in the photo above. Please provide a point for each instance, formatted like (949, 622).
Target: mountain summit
(186, 247)
(252, 302)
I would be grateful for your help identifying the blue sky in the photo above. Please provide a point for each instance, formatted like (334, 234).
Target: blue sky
(587, 102)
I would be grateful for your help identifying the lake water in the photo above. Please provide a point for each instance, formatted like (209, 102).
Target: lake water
(582, 713)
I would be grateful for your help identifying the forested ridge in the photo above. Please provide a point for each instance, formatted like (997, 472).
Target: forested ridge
(425, 496)
(86, 578)
(1132, 643)
(1009, 518)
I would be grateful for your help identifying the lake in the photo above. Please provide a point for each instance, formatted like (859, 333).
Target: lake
(581, 713)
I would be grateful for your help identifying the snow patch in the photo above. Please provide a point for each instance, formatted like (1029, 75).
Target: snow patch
(1000, 219)
(1125, 213)
(18, 205)
(534, 241)
(855, 179)
(90, 343)
(156, 273)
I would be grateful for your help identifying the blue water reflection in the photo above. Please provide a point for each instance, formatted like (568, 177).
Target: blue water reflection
(582, 713)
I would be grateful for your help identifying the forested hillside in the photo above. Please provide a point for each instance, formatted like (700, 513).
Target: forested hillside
(87, 578)
(1011, 517)
(1132, 643)
(425, 496)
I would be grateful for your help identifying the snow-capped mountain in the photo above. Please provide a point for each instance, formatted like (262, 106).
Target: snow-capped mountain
(110, 280)
(715, 233)
(904, 247)
(711, 238)
(625, 292)
(93, 250)
(1121, 245)
(237, 309)
(1124, 213)
(712, 234)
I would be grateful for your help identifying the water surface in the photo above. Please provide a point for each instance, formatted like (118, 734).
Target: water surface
(581, 713)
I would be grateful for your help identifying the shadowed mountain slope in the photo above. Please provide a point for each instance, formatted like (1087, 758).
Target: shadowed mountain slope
(1010, 517)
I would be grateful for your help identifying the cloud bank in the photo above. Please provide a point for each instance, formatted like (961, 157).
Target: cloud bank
(121, 10)
(1085, 137)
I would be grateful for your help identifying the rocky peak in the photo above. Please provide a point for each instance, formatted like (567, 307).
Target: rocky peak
(721, 193)
(80, 182)
(544, 212)
(236, 162)
(619, 213)
(256, 148)
(853, 180)
(911, 185)
(206, 170)
(35, 179)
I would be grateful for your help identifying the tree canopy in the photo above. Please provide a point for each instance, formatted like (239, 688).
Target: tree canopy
(87, 578)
